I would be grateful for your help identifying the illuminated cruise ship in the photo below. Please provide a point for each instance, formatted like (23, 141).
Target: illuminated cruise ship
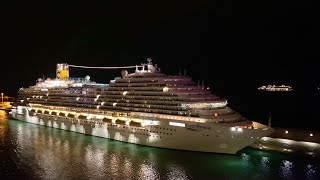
(143, 107)
(276, 88)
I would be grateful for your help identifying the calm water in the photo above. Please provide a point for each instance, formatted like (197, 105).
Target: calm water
(31, 151)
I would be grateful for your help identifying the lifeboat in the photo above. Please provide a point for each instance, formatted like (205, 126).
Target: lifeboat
(54, 113)
(71, 115)
(32, 111)
(118, 121)
(132, 123)
(107, 120)
(82, 117)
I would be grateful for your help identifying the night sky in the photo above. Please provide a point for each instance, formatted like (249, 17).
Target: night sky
(234, 46)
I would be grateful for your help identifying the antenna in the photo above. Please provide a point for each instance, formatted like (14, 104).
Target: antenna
(269, 120)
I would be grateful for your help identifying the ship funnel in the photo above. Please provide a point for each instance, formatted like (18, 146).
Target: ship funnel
(62, 71)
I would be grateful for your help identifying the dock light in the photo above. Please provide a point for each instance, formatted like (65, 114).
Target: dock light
(287, 132)
(311, 134)
(233, 129)
(239, 129)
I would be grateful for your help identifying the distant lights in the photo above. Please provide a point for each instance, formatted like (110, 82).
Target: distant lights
(239, 129)
(311, 134)
(236, 129)
(98, 106)
(287, 131)
(102, 103)
(114, 104)
(124, 93)
(78, 98)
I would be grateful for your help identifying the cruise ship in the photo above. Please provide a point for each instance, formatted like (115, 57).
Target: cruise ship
(145, 107)
(275, 88)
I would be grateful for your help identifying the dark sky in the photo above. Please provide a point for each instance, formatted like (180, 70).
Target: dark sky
(234, 46)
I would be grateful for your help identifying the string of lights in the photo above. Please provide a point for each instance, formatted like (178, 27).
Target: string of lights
(95, 67)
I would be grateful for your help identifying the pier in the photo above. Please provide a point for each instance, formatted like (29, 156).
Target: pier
(6, 106)
(291, 140)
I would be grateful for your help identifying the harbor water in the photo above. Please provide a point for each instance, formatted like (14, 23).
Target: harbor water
(31, 151)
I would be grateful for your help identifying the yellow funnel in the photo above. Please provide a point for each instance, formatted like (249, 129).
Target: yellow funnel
(62, 71)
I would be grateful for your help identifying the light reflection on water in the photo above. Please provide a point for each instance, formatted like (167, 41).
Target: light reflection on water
(311, 172)
(286, 169)
(38, 152)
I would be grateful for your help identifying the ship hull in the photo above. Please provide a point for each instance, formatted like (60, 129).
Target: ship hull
(217, 140)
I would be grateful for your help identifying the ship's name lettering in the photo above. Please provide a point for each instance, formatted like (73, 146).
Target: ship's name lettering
(197, 126)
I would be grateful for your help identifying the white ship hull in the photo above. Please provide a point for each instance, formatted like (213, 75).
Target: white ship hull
(216, 140)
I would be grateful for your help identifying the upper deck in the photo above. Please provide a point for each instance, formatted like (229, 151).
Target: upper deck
(146, 90)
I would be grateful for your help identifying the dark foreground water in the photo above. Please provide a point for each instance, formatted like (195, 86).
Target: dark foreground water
(29, 151)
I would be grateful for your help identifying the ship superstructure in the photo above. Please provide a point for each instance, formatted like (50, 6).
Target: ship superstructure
(145, 107)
